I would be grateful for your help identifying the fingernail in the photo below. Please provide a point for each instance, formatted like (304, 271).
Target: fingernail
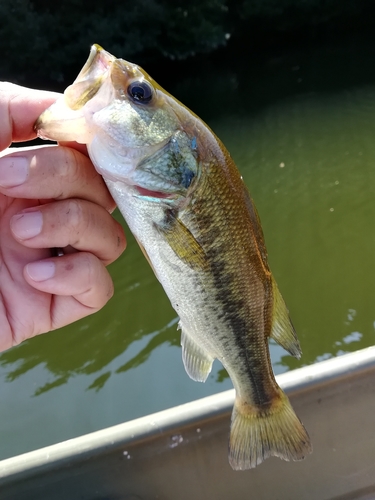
(26, 225)
(41, 271)
(13, 171)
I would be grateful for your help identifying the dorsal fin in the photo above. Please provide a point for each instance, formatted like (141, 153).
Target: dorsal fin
(282, 328)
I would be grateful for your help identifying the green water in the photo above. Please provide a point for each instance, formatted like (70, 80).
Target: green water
(301, 128)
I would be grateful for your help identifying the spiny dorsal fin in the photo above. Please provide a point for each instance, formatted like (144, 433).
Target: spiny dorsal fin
(282, 328)
(197, 362)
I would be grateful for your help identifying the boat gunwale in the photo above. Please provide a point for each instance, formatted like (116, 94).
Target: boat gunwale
(301, 381)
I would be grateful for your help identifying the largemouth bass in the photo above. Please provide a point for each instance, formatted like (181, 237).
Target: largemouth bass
(188, 207)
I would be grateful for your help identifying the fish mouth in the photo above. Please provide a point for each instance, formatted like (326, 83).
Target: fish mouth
(65, 120)
(147, 193)
(90, 79)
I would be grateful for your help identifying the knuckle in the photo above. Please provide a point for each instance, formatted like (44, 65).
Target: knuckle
(70, 166)
(74, 214)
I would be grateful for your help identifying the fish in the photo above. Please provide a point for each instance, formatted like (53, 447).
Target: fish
(188, 207)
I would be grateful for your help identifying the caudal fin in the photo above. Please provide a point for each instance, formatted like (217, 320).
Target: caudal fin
(258, 434)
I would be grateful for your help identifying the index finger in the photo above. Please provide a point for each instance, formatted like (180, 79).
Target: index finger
(19, 109)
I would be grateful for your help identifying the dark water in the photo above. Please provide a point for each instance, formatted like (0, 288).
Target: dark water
(300, 126)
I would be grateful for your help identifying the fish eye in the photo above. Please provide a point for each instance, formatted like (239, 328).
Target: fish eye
(140, 92)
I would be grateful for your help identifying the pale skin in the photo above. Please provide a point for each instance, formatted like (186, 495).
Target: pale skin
(50, 197)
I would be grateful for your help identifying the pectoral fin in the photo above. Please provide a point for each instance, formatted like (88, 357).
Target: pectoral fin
(182, 242)
(197, 362)
(282, 328)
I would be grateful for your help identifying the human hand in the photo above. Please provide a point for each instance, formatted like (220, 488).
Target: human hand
(50, 197)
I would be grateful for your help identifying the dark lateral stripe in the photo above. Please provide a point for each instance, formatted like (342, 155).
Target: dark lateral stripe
(244, 335)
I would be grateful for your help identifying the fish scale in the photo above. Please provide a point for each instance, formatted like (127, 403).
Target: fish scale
(229, 289)
(189, 209)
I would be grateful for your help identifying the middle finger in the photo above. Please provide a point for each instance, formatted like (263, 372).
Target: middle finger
(80, 224)
(52, 172)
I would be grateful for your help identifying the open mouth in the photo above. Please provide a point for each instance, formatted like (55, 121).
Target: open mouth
(152, 194)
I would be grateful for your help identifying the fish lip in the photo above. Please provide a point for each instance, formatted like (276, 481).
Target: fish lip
(147, 193)
(98, 59)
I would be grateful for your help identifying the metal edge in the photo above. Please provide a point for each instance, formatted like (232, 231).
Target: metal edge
(95, 443)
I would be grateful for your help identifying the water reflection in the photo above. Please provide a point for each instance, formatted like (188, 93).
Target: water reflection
(69, 356)
(167, 335)
(163, 336)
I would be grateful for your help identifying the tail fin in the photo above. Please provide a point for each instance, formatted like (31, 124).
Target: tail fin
(258, 434)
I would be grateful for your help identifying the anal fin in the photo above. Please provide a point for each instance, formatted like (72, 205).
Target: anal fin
(197, 362)
(282, 328)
